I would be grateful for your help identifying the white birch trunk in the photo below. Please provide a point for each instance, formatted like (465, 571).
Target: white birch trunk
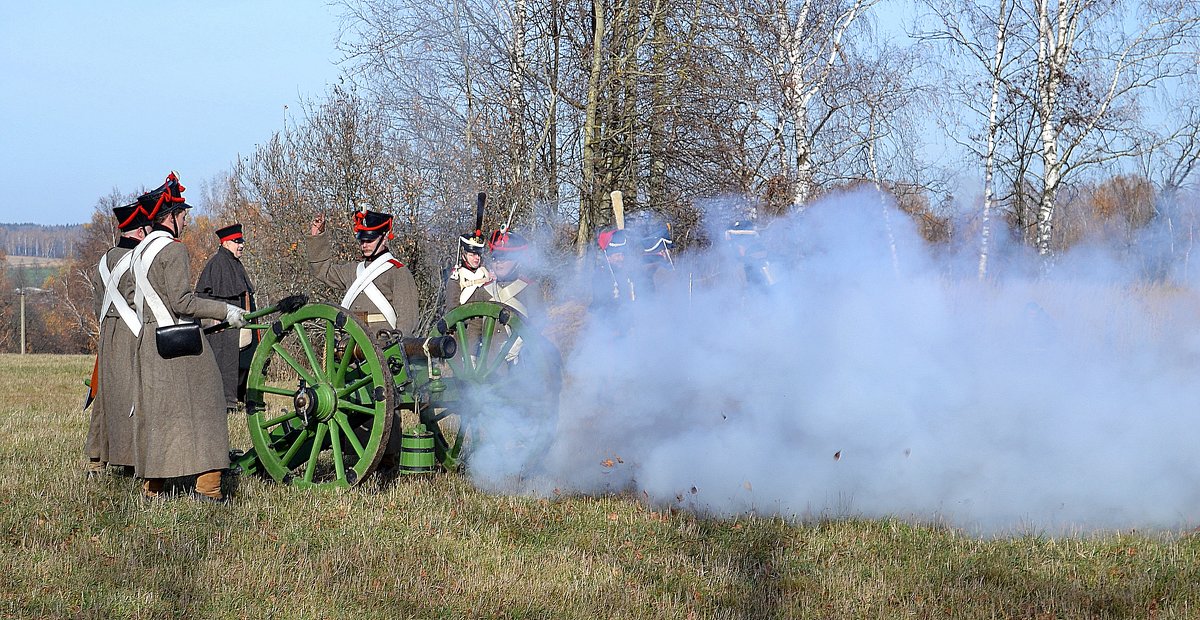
(992, 128)
(806, 75)
(1054, 45)
(516, 103)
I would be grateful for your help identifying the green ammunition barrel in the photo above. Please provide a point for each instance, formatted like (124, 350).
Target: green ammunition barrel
(416, 451)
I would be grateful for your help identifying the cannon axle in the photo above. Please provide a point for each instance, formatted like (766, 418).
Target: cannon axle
(315, 404)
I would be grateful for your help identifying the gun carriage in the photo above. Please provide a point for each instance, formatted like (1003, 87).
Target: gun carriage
(322, 391)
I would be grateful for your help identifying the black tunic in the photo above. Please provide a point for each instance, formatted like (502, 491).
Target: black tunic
(224, 279)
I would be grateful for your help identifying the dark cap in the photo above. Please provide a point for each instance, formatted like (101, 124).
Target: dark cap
(233, 232)
(130, 217)
(370, 225)
(657, 240)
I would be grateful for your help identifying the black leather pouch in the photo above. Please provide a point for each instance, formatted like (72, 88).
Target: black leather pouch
(178, 340)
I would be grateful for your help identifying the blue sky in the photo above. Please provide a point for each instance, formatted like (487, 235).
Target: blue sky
(103, 95)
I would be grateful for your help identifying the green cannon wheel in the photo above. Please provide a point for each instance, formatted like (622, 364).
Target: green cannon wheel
(319, 399)
(503, 369)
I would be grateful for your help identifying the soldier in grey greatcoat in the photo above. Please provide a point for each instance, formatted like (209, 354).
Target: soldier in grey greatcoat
(180, 425)
(110, 434)
(512, 286)
(224, 279)
(379, 288)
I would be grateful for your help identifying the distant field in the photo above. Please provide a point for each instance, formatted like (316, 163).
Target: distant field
(31, 270)
(33, 261)
(438, 548)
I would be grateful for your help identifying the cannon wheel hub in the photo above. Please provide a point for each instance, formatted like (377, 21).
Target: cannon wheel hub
(316, 404)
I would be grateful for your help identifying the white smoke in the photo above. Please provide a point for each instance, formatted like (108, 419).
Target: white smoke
(867, 382)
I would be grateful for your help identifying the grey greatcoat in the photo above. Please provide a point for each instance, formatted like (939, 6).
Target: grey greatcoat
(110, 437)
(396, 284)
(180, 424)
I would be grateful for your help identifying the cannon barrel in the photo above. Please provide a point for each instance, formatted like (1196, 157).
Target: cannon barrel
(441, 347)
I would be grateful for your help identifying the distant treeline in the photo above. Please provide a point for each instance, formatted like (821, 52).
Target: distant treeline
(39, 240)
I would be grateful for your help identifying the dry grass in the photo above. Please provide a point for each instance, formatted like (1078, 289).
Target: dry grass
(437, 548)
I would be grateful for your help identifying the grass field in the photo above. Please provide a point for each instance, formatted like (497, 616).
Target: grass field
(30, 270)
(437, 548)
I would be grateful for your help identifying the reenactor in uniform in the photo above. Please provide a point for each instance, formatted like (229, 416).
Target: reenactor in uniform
(379, 288)
(465, 283)
(613, 284)
(180, 425)
(749, 255)
(658, 266)
(110, 434)
(224, 279)
(510, 286)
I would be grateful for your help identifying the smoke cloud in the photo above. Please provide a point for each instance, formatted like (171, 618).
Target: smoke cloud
(874, 379)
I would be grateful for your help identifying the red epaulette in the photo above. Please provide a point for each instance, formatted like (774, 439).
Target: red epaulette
(395, 263)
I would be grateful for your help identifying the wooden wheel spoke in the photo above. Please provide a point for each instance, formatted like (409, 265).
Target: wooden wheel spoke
(354, 387)
(287, 415)
(438, 417)
(505, 347)
(489, 330)
(307, 346)
(313, 454)
(304, 373)
(465, 346)
(335, 441)
(345, 405)
(339, 374)
(281, 391)
(290, 453)
(344, 424)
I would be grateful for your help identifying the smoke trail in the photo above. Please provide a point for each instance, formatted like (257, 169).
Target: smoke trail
(867, 382)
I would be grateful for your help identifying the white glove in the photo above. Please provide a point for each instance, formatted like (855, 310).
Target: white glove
(235, 316)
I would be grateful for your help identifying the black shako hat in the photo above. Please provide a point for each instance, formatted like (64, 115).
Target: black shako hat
(164, 200)
(130, 217)
(370, 225)
(657, 240)
(471, 242)
(233, 232)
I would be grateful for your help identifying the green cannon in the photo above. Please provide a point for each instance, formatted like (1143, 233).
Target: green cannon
(323, 392)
